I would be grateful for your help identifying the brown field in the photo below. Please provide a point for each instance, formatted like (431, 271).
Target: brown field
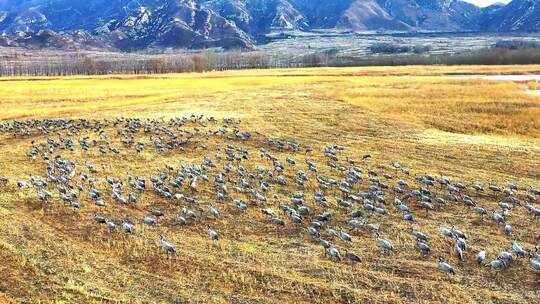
(468, 130)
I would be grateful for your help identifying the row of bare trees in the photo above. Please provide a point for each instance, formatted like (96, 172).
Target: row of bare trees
(116, 63)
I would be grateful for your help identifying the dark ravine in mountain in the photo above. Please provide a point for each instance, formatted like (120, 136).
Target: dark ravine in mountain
(140, 24)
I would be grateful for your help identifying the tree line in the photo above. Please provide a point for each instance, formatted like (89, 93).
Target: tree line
(113, 63)
(100, 64)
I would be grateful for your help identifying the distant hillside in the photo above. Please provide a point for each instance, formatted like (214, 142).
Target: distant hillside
(139, 24)
(518, 15)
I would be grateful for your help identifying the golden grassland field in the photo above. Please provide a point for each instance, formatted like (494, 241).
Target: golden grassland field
(467, 129)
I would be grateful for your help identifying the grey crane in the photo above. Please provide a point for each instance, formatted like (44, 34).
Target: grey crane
(535, 264)
(355, 223)
(352, 257)
(384, 244)
(458, 233)
(345, 236)
(423, 247)
(459, 252)
(127, 227)
(111, 225)
(480, 210)
(497, 264)
(498, 218)
(214, 212)
(507, 229)
(100, 219)
(506, 257)
(402, 207)
(461, 243)
(181, 220)
(150, 220)
(213, 233)
(277, 221)
(442, 265)
(481, 257)
(333, 253)
(447, 232)
(167, 246)
(420, 236)
(518, 250)
(408, 217)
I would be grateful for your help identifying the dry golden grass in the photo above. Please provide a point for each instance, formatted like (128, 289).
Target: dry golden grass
(533, 85)
(467, 129)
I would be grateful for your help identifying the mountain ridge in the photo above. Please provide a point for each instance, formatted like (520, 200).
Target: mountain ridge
(195, 24)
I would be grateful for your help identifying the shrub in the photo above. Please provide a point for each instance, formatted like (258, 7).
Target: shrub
(395, 48)
(389, 48)
(516, 44)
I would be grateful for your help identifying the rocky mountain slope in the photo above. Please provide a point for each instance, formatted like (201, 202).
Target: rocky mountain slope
(436, 15)
(518, 15)
(137, 24)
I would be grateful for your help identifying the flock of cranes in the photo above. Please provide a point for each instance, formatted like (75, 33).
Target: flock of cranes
(324, 192)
